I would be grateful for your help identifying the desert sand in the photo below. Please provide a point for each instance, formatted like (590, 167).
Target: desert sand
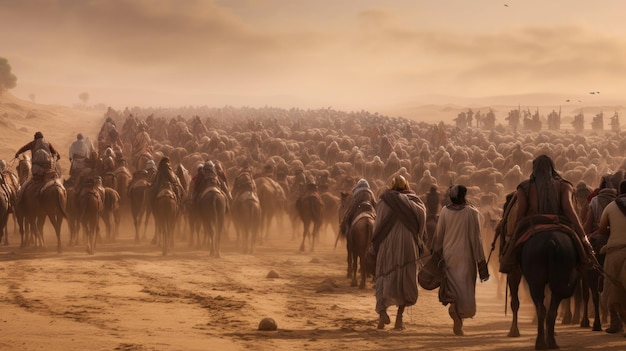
(129, 297)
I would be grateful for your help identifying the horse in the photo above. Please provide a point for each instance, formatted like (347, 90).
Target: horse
(360, 235)
(165, 211)
(310, 209)
(549, 259)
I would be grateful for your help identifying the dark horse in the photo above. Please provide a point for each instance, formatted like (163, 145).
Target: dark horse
(549, 258)
(546, 258)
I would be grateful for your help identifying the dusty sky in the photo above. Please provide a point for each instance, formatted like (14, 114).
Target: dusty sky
(313, 53)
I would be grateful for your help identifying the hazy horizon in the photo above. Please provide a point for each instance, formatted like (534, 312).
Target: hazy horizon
(348, 55)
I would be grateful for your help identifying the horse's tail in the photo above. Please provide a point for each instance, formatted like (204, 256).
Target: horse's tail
(562, 265)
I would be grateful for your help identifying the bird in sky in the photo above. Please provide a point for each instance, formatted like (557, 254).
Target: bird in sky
(592, 92)
(506, 5)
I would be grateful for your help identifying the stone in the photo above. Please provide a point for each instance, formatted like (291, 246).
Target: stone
(272, 274)
(267, 324)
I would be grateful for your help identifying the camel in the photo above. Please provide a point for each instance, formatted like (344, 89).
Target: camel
(209, 213)
(246, 209)
(90, 205)
(310, 209)
(165, 211)
(273, 202)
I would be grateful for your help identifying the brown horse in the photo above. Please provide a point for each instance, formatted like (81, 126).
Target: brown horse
(165, 209)
(360, 236)
(310, 209)
(273, 203)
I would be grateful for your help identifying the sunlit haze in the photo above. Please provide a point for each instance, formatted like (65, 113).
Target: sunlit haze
(346, 54)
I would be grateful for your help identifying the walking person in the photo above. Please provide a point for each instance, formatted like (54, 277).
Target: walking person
(458, 239)
(397, 243)
(613, 225)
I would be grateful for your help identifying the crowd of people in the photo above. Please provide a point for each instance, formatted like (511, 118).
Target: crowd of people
(435, 187)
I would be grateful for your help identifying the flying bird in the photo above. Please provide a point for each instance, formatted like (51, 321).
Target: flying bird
(567, 100)
(506, 5)
(592, 92)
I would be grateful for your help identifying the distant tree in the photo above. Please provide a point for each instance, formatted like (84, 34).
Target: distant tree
(31, 96)
(8, 80)
(84, 97)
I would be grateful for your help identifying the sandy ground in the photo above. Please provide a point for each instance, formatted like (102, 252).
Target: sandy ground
(129, 297)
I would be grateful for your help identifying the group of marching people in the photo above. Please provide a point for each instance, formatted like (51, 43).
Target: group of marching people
(397, 241)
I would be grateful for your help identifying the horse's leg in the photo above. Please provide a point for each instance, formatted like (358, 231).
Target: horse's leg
(363, 270)
(353, 264)
(577, 298)
(56, 221)
(584, 321)
(305, 232)
(595, 296)
(399, 323)
(315, 233)
(537, 294)
(567, 310)
(514, 278)
(41, 219)
(550, 321)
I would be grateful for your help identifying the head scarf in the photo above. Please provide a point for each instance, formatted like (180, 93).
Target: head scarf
(399, 183)
(457, 194)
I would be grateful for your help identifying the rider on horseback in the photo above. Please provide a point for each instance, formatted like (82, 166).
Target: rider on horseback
(79, 153)
(42, 154)
(361, 193)
(165, 178)
(545, 199)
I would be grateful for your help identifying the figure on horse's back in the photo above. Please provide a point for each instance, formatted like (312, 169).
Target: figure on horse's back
(548, 240)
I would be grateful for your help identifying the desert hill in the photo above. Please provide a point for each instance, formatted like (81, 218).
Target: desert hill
(20, 119)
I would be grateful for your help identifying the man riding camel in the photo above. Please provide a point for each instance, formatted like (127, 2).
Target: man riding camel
(79, 153)
(165, 178)
(43, 155)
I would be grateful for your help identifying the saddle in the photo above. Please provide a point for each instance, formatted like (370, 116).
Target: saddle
(532, 225)
(166, 193)
(48, 184)
(212, 188)
(365, 214)
(247, 196)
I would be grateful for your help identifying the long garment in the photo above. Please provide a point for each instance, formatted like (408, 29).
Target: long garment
(398, 253)
(615, 261)
(458, 238)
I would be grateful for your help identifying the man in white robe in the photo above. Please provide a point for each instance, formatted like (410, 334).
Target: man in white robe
(458, 239)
